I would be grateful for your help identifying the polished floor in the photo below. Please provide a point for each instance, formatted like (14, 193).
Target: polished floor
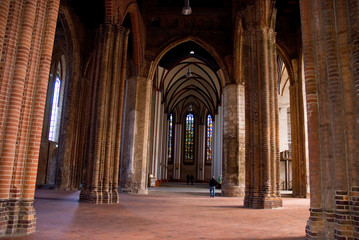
(171, 211)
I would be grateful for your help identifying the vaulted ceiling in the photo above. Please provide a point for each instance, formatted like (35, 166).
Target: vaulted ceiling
(211, 21)
(189, 78)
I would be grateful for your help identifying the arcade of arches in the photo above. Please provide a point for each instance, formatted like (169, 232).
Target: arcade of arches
(122, 95)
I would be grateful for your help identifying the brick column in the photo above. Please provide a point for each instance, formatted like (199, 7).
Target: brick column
(330, 40)
(4, 10)
(315, 223)
(126, 157)
(177, 148)
(156, 133)
(164, 150)
(353, 143)
(297, 112)
(26, 47)
(201, 150)
(136, 140)
(217, 162)
(262, 136)
(141, 134)
(233, 141)
(103, 137)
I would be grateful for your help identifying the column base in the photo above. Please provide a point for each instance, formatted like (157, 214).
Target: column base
(27, 218)
(354, 202)
(110, 197)
(261, 202)
(232, 191)
(315, 225)
(133, 190)
(99, 196)
(17, 217)
(3, 217)
(344, 226)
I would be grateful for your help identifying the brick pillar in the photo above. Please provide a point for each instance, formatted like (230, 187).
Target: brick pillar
(126, 158)
(27, 30)
(330, 42)
(164, 157)
(4, 10)
(177, 148)
(201, 150)
(233, 141)
(142, 123)
(299, 158)
(262, 136)
(354, 166)
(315, 225)
(102, 151)
(156, 133)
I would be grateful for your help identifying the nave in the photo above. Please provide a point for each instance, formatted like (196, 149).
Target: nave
(171, 211)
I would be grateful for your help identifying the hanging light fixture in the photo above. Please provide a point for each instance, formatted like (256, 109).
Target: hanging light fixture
(188, 74)
(186, 10)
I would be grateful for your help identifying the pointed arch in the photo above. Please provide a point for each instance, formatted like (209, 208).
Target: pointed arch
(225, 79)
(284, 56)
(138, 33)
(116, 12)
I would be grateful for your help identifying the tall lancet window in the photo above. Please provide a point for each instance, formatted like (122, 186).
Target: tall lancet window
(56, 105)
(170, 139)
(209, 142)
(189, 140)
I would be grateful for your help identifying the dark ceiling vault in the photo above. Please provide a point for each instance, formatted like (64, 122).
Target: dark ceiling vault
(90, 12)
(182, 51)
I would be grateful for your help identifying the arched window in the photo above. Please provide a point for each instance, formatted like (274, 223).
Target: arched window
(189, 140)
(209, 137)
(170, 138)
(56, 105)
(54, 112)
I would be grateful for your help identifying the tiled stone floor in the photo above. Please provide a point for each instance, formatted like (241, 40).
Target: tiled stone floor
(172, 211)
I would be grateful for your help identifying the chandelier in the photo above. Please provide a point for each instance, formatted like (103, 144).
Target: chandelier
(186, 10)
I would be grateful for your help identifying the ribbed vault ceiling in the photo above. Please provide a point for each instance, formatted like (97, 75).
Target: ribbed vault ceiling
(190, 80)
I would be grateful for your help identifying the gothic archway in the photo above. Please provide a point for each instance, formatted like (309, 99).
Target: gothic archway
(187, 80)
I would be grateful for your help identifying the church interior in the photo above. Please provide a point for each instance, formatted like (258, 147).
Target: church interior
(106, 103)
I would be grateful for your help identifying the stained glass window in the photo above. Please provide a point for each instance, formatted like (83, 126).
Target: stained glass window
(189, 139)
(170, 137)
(209, 143)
